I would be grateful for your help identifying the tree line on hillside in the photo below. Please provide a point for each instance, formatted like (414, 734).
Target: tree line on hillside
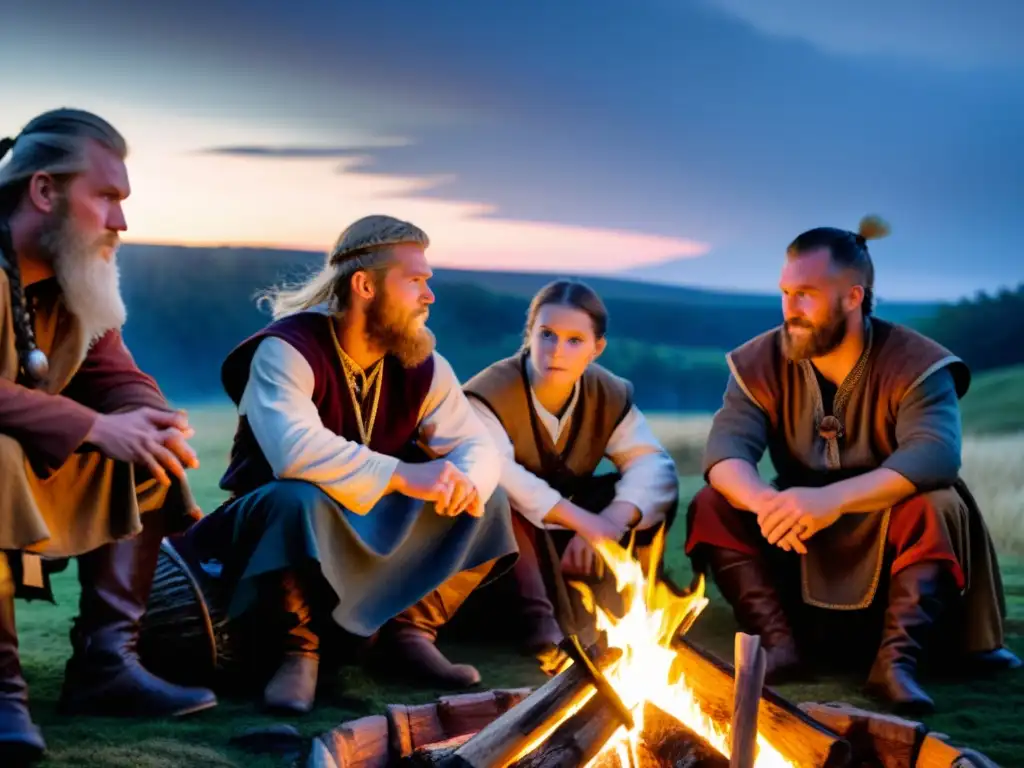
(189, 307)
(987, 331)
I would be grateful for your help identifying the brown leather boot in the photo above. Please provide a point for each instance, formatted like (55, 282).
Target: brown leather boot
(744, 582)
(541, 633)
(407, 643)
(917, 597)
(20, 739)
(292, 688)
(104, 675)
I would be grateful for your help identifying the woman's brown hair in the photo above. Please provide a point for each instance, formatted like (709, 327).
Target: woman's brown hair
(569, 293)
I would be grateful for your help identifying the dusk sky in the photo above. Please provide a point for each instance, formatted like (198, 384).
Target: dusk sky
(681, 141)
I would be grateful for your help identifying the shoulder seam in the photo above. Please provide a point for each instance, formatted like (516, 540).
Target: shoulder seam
(739, 380)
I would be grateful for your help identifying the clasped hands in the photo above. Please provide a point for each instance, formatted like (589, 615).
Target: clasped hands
(788, 518)
(441, 482)
(155, 439)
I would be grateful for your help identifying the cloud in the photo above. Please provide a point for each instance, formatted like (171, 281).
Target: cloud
(294, 152)
(688, 121)
(947, 35)
(304, 202)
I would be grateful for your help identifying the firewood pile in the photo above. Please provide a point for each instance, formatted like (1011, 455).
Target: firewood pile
(576, 719)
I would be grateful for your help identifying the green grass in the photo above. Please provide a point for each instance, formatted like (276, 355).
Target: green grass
(995, 402)
(980, 714)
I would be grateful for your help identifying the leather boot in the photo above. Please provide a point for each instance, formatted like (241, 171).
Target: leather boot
(541, 632)
(292, 688)
(916, 599)
(104, 675)
(20, 739)
(407, 642)
(744, 582)
(992, 662)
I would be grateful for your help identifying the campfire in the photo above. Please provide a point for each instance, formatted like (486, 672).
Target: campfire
(642, 698)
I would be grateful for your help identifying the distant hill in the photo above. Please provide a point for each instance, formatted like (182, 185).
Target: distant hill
(520, 284)
(189, 306)
(995, 402)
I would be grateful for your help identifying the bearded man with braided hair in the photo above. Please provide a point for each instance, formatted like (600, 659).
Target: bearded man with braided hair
(364, 488)
(92, 456)
(861, 419)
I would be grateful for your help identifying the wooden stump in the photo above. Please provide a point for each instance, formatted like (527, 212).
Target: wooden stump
(412, 727)
(750, 663)
(379, 741)
(361, 743)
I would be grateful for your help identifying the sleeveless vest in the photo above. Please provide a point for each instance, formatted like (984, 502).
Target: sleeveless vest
(604, 400)
(867, 403)
(395, 430)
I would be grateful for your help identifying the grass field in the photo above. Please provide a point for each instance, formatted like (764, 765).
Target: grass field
(980, 713)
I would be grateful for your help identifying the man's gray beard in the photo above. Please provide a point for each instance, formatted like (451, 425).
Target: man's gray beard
(90, 284)
(410, 346)
(819, 343)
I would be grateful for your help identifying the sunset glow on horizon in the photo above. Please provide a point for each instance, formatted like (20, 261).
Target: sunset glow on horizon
(304, 203)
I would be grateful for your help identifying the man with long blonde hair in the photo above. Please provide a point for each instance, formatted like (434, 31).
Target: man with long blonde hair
(92, 457)
(363, 484)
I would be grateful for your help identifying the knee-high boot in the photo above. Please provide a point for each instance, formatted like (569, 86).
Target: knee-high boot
(293, 686)
(104, 675)
(20, 738)
(917, 596)
(744, 582)
(541, 632)
(407, 642)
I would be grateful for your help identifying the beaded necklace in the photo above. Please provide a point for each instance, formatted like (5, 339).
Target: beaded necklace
(353, 371)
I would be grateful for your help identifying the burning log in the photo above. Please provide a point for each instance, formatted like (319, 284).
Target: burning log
(802, 740)
(664, 742)
(513, 734)
(577, 740)
(750, 671)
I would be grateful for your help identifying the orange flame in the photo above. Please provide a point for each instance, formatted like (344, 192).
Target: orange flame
(645, 673)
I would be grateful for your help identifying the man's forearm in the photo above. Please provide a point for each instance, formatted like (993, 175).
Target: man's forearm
(873, 491)
(50, 427)
(739, 482)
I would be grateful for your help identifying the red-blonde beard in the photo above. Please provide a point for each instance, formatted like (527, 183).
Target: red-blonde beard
(396, 331)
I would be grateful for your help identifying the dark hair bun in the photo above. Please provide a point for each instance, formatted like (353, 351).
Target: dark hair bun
(873, 228)
(5, 146)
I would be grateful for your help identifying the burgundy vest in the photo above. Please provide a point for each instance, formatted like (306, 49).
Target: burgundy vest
(396, 426)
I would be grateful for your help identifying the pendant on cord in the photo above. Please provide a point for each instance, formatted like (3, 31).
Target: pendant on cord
(36, 364)
(830, 428)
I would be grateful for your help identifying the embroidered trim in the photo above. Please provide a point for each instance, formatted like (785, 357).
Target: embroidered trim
(929, 371)
(739, 380)
(876, 578)
(839, 402)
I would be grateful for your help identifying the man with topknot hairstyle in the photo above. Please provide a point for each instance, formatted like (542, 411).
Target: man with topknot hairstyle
(867, 513)
(92, 457)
